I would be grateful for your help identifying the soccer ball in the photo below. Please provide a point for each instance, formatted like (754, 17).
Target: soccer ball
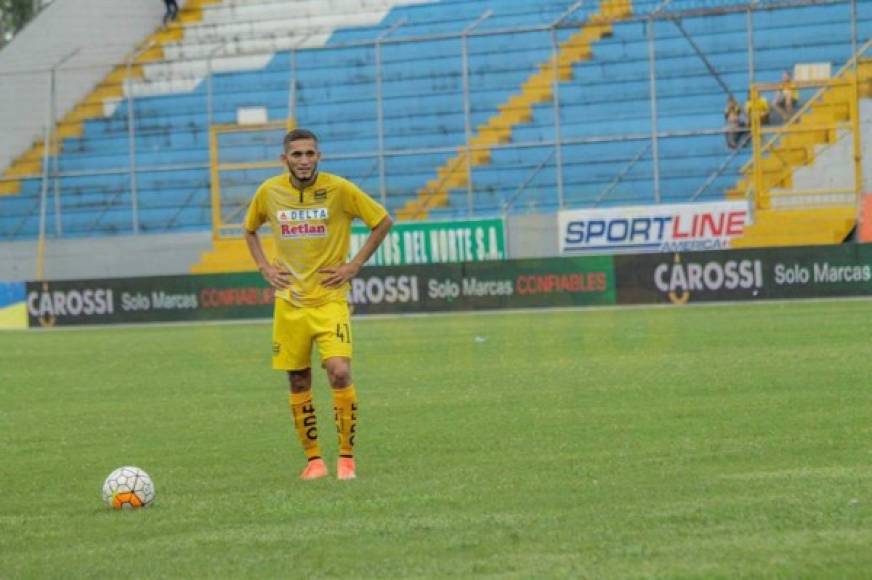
(128, 488)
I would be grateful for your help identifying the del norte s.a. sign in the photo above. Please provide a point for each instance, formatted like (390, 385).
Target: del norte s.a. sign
(652, 228)
(437, 242)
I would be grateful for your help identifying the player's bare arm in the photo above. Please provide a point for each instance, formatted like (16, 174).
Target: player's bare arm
(338, 275)
(277, 278)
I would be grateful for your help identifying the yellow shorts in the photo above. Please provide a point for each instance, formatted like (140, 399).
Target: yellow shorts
(295, 328)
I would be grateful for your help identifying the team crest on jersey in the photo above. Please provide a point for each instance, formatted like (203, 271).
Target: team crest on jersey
(302, 223)
(321, 195)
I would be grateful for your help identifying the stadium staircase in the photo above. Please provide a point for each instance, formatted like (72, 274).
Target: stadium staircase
(96, 195)
(335, 97)
(538, 88)
(245, 44)
(821, 221)
(231, 255)
(110, 89)
(499, 63)
(606, 117)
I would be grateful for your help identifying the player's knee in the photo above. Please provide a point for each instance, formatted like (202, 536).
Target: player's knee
(339, 375)
(300, 381)
(340, 378)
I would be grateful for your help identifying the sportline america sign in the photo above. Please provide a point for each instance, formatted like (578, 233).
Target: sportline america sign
(652, 228)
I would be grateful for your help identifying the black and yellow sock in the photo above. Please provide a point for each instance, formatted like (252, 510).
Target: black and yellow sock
(345, 414)
(305, 422)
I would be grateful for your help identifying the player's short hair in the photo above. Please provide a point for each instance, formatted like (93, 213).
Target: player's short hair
(298, 135)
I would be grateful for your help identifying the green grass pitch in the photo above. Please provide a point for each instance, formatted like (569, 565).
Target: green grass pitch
(709, 442)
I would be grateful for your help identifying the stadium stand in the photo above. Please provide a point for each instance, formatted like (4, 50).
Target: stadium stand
(346, 54)
(608, 98)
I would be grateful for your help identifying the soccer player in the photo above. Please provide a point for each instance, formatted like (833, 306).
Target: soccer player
(310, 213)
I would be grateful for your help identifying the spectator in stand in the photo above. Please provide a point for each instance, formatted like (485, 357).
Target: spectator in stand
(736, 128)
(172, 11)
(786, 98)
(758, 107)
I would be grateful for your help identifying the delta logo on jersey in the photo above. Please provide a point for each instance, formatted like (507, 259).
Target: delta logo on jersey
(304, 223)
(654, 228)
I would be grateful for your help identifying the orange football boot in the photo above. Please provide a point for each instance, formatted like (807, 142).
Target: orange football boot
(345, 468)
(315, 469)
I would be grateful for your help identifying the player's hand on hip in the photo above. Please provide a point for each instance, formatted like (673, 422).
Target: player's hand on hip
(339, 275)
(277, 278)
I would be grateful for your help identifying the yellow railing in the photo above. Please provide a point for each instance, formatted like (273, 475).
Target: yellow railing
(221, 224)
(837, 95)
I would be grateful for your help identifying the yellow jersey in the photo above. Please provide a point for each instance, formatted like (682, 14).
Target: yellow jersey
(311, 229)
(761, 105)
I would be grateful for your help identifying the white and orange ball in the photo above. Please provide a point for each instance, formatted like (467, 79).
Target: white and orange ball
(128, 487)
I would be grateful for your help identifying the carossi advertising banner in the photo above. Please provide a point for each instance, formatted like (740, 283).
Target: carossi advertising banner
(844, 270)
(678, 278)
(432, 288)
(806, 272)
(484, 286)
(436, 242)
(652, 228)
(694, 276)
(158, 299)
